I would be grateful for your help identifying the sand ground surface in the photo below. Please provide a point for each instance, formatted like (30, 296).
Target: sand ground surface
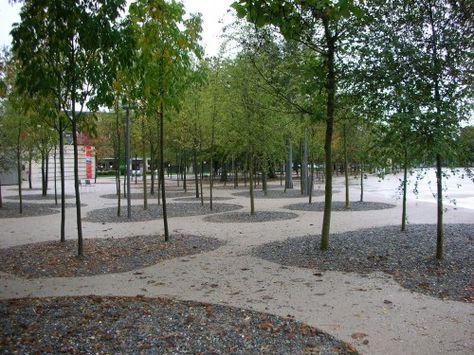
(341, 304)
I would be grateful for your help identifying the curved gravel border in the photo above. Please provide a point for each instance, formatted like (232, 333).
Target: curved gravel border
(154, 212)
(36, 197)
(153, 326)
(340, 206)
(206, 199)
(101, 256)
(273, 193)
(151, 198)
(246, 217)
(11, 210)
(407, 256)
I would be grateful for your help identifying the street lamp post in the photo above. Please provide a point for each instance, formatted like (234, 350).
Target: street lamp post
(127, 159)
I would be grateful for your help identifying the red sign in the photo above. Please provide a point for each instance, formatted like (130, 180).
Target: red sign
(88, 162)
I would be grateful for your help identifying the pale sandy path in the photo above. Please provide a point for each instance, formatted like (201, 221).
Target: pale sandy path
(339, 303)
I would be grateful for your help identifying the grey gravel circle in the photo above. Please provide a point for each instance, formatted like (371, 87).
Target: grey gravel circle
(339, 206)
(150, 197)
(139, 325)
(11, 210)
(273, 193)
(109, 214)
(206, 199)
(408, 256)
(246, 217)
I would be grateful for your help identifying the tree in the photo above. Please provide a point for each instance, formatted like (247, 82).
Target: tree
(319, 26)
(167, 45)
(62, 48)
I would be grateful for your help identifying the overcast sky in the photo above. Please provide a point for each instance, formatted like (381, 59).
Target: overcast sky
(212, 12)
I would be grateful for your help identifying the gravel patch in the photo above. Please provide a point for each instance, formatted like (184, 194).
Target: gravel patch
(339, 206)
(37, 197)
(407, 256)
(206, 199)
(246, 217)
(151, 198)
(11, 210)
(273, 193)
(109, 215)
(132, 325)
(101, 256)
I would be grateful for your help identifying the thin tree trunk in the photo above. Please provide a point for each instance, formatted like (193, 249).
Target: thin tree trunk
(195, 169)
(145, 191)
(30, 184)
(281, 173)
(346, 170)
(304, 165)
(136, 168)
(361, 182)
(152, 173)
(63, 181)
(404, 202)
(211, 163)
(178, 168)
(55, 178)
(118, 161)
(1, 198)
(311, 185)
(331, 93)
(127, 162)
(80, 250)
(43, 192)
(251, 172)
(46, 177)
(18, 165)
(440, 227)
(289, 167)
(185, 171)
(162, 173)
(200, 182)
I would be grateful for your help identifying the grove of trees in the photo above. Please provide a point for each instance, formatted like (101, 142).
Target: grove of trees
(314, 86)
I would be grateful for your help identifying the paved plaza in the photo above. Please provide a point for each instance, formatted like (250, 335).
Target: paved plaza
(392, 319)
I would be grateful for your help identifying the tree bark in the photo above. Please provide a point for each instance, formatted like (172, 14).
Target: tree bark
(63, 180)
(346, 168)
(185, 171)
(30, 184)
(251, 172)
(55, 179)
(440, 227)
(404, 199)
(118, 161)
(361, 182)
(80, 249)
(330, 104)
(18, 165)
(162, 173)
(43, 184)
(304, 165)
(289, 167)
(145, 191)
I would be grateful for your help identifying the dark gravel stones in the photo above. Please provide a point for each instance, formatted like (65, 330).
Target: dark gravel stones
(339, 206)
(101, 256)
(138, 325)
(246, 217)
(206, 199)
(273, 193)
(150, 197)
(154, 211)
(11, 210)
(408, 256)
